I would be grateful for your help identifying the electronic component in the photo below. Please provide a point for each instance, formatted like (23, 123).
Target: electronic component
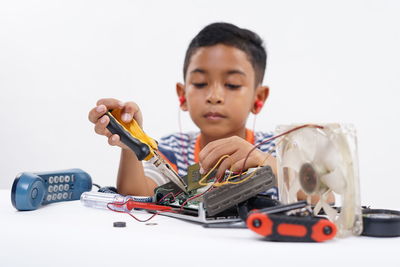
(226, 196)
(194, 176)
(320, 162)
(119, 224)
(381, 223)
(31, 190)
(218, 204)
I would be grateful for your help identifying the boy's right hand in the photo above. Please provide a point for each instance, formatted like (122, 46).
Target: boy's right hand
(130, 110)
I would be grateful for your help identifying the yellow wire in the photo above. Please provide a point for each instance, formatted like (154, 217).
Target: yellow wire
(227, 181)
(201, 182)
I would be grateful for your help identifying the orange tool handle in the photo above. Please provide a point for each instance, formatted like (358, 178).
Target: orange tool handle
(286, 228)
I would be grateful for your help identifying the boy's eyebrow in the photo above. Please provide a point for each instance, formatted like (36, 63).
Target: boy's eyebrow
(228, 72)
(198, 70)
(236, 72)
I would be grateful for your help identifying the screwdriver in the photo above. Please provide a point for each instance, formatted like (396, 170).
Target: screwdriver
(142, 145)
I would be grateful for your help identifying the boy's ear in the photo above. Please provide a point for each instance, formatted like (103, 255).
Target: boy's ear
(180, 91)
(260, 97)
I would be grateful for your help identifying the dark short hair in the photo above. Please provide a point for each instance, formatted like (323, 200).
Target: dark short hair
(231, 35)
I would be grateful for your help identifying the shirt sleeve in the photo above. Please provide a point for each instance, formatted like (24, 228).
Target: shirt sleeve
(165, 149)
(151, 171)
(269, 146)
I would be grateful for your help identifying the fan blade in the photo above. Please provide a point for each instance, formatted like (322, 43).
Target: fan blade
(331, 212)
(305, 140)
(330, 157)
(294, 187)
(335, 180)
(323, 147)
(293, 159)
(317, 207)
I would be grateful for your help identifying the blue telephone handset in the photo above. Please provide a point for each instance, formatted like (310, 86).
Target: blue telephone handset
(31, 190)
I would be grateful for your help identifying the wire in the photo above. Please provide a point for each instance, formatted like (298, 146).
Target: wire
(196, 196)
(173, 196)
(252, 174)
(277, 136)
(254, 123)
(137, 219)
(96, 185)
(227, 181)
(201, 182)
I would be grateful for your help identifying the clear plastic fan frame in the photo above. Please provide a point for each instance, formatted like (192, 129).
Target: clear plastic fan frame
(321, 165)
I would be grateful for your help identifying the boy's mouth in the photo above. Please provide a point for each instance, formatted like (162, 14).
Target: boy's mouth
(214, 116)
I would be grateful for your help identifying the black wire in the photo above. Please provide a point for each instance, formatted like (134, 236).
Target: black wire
(98, 186)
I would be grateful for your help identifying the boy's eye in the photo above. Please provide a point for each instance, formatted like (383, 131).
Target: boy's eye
(233, 86)
(199, 85)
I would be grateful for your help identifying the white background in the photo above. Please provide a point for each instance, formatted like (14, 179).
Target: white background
(335, 61)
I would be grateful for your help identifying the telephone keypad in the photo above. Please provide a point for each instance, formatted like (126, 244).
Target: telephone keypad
(59, 188)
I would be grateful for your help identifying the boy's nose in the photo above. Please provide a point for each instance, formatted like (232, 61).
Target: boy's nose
(215, 95)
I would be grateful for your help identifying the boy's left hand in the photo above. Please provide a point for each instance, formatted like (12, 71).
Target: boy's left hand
(237, 148)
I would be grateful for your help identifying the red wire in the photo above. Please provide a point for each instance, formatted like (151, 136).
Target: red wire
(137, 219)
(173, 195)
(199, 195)
(277, 136)
(166, 196)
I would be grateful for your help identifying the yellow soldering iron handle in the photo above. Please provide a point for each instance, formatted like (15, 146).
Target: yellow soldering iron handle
(132, 135)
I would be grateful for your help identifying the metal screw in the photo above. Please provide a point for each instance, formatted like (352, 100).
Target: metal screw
(257, 223)
(327, 230)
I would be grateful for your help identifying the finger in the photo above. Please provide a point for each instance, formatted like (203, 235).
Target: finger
(131, 110)
(218, 144)
(101, 126)
(210, 147)
(225, 165)
(111, 103)
(96, 113)
(238, 166)
(114, 140)
(251, 162)
(215, 155)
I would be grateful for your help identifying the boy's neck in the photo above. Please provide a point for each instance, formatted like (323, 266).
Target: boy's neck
(205, 139)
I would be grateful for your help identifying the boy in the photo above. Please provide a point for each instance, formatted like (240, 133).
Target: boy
(223, 73)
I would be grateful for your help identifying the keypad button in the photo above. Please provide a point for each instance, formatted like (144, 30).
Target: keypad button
(66, 187)
(55, 179)
(61, 179)
(59, 196)
(67, 178)
(60, 187)
(48, 198)
(51, 179)
(54, 197)
(65, 195)
(55, 188)
(50, 189)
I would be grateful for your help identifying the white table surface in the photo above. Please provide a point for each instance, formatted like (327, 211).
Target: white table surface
(69, 234)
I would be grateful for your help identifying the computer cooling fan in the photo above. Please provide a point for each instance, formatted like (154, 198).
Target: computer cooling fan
(320, 164)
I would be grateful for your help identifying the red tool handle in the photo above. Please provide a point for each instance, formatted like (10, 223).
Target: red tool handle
(277, 227)
(146, 206)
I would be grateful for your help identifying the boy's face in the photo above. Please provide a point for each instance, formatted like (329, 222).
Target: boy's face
(220, 90)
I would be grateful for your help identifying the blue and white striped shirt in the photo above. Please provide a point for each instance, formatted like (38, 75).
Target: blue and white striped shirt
(181, 151)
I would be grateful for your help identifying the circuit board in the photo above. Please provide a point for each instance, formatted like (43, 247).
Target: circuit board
(208, 204)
